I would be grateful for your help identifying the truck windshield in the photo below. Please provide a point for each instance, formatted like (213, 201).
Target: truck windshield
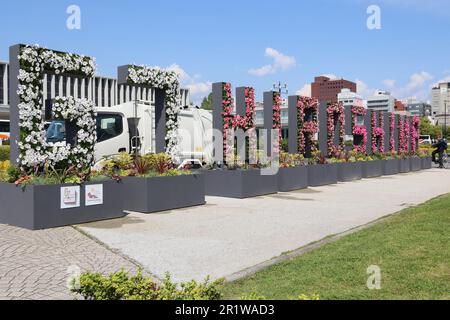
(56, 131)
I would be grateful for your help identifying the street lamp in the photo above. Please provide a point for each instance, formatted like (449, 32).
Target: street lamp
(281, 89)
(445, 120)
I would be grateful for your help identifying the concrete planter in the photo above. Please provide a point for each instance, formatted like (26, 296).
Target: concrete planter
(349, 171)
(372, 169)
(405, 165)
(416, 163)
(391, 167)
(426, 163)
(322, 174)
(39, 207)
(147, 195)
(239, 183)
(290, 179)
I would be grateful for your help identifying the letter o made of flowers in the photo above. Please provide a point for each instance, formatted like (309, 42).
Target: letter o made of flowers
(359, 130)
(335, 109)
(306, 129)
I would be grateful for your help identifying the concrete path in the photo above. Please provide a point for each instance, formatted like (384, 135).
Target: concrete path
(227, 235)
(37, 264)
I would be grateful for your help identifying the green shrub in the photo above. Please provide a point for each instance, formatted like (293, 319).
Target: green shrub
(4, 153)
(122, 286)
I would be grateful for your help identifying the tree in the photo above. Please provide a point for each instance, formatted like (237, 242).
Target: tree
(427, 128)
(207, 102)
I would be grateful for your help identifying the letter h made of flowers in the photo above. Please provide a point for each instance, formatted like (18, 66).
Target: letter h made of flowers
(240, 122)
(335, 122)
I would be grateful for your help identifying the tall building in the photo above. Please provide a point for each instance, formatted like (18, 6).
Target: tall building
(400, 105)
(420, 109)
(381, 101)
(440, 102)
(259, 111)
(349, 99)
(325, 89)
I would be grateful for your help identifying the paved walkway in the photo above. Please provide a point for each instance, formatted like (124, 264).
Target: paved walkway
(228, 235)
(37, 264)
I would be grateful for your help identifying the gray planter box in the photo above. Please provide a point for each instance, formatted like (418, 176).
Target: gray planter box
(405, 165)
(290, 179)
(416, 163)
(372, 169)
(426, 163)
(39, 207)
(147, 195)
(391, 167)
(349, 171)
(239, 183)
(322, 174)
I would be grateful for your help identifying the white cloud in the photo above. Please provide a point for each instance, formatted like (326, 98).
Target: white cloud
(197, 89)
(446, 79)
(182, 75)
(280, 62)
(305, 90)
(389, 83)
(363, 89)
(417, 86)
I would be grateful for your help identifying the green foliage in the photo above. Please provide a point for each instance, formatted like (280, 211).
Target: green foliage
(207, 102)
(159, 162)
(285, 145)
(253, 297)
(14, 174)
(4, 153)
(123, 160)
(427, 128)
(122, 286)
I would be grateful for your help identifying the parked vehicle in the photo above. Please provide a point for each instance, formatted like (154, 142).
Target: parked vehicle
(425, 139)
(118, 131)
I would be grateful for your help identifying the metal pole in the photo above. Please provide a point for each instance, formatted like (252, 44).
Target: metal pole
(445, 120)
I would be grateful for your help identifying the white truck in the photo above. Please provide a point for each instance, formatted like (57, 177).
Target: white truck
(116, 132)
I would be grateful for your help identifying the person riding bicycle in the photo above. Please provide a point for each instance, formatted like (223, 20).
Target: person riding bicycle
(441, 146)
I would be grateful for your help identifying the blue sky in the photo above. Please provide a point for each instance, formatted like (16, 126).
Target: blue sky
(253, 42)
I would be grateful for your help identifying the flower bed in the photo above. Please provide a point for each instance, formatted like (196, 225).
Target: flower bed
(404, 165)
(290, 179)
(151, 183)
(153, 194)
(48, 206)
(349, 171)
(322, 174)
(372, 169)
(415, 163)
(426, 163)
(391, 167)
(239, 183)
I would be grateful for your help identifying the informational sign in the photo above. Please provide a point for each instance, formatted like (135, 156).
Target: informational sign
(93, 194)
(70, 197)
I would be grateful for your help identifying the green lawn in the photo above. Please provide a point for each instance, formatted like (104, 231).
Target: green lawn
(412, 249)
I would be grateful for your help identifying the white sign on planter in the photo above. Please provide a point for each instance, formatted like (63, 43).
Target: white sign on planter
(93, 194)
(70, 197)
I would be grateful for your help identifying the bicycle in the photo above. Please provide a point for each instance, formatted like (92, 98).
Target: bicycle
(445, 161)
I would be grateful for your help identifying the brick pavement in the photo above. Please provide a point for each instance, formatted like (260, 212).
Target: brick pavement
(36, 264)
